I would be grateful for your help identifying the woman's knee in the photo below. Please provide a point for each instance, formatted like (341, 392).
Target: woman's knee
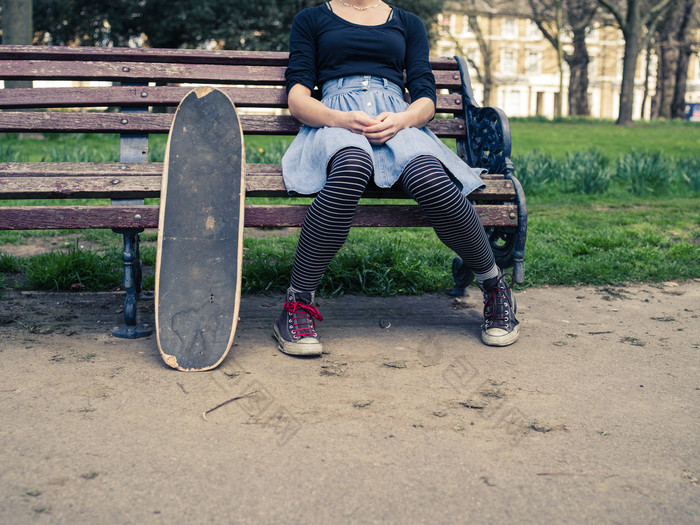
(425, 175)
(349, 173)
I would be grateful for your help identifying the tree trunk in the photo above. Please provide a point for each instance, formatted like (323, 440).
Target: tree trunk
(485, 74)
(685, 51)
(633, 36)
(673, 50)
(17, 29)
(667, 52)
(560, 60)
(647, 74)
(678, 101)
(578, 75)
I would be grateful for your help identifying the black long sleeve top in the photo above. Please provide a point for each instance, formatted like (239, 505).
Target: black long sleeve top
(324, 46)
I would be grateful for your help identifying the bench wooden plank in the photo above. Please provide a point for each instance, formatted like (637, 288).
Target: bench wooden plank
(121, 186)
(139, 72)
(118, 169)
(115, 216)
(140, 96)
(192, 56)
(131, 96)
(163, 72)
(196, 56)
(64, 121)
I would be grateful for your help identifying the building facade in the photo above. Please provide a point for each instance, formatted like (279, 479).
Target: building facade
(524, 66)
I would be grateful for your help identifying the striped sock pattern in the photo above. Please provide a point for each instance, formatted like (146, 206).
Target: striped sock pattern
(327, 222)
(454, 219)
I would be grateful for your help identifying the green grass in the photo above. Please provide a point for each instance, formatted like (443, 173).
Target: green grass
(559, 137)
(590, 172)
(607, 241)
(60, 147)
(571, 240)
(72, 269)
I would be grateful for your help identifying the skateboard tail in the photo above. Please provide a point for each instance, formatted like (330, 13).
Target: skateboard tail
(200, 234)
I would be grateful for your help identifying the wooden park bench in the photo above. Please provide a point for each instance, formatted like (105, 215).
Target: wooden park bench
(138, 80)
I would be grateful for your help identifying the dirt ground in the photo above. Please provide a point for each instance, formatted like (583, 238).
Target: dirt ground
(591, 417)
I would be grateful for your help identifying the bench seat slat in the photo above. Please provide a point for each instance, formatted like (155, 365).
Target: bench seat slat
(115, 216)
(162, 72)
(140, 96)
(60, 122)
(119, 169)
(122, 187)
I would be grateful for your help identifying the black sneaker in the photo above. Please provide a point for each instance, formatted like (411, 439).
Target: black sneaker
(295, 330)
(500, 327)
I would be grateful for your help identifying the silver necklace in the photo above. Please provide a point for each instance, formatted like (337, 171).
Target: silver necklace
(346, 4)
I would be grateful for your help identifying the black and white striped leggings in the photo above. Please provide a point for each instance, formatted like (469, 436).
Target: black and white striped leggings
(327, 222)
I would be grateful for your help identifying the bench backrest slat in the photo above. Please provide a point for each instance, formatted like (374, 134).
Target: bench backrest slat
(144, 96)
(163, 72)
(73, 122)
(140, 72)
(184, 56)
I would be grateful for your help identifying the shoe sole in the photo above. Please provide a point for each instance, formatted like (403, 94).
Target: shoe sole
(297, 348)
(501, 340)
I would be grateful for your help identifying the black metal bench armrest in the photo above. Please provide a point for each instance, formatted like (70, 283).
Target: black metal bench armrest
(487, 143)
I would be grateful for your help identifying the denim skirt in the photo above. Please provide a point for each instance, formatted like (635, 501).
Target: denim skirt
(304, 165)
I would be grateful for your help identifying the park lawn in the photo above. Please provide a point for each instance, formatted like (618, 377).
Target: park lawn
(585, 240)
(557, 138)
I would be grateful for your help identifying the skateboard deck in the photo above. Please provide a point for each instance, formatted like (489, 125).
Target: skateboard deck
(200, 233)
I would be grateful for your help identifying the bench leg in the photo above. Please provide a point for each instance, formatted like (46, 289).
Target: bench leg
(132, 284)
(521, 235)
(462, 276)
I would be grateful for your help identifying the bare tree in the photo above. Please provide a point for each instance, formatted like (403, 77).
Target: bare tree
(688, 48)
(632, 22)
(673, 48)
(484, 70)
(578, 15)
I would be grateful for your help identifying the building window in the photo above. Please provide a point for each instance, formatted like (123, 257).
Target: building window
(510, 27)
(532, 63)
(593, 66)
(448, 22)
(474, 55)
(532, 30)
(513, 102)
(594, 33)
(508, 63)
(466, 30)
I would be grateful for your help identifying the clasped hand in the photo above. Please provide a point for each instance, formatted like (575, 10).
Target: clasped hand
(378, 129)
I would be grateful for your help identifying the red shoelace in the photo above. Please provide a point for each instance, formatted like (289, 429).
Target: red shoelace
(303, 325)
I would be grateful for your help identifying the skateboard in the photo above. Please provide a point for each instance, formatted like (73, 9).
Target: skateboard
(200, 233)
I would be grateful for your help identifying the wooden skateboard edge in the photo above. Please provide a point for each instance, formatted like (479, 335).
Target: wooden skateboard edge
(170, 359)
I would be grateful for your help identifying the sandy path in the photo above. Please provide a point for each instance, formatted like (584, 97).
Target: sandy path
(592, 417)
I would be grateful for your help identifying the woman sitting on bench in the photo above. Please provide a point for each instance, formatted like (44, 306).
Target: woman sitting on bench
(363, 128)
